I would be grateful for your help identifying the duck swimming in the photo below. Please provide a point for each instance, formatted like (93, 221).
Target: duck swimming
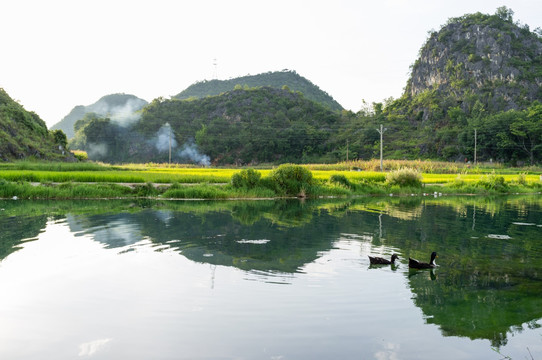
(381, 261)
(413, 263)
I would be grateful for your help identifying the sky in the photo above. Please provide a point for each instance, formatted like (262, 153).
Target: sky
(57, 54)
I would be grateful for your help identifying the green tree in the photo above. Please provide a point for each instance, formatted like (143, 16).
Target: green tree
(505, 13)
(526, 131)
(60, 138)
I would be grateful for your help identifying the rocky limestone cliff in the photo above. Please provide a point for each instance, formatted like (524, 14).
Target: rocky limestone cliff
(484, 56)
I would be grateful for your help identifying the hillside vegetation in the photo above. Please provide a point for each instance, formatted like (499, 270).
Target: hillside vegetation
(473, 95)
(122, 107)
(23, 134)
(276, 79)
(237, 127)
(476, 85)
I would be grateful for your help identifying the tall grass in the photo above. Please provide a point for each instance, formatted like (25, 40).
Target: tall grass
(206, 191)
(114, 176)
(196, 192)
(64, 191)
(55, 166)
(424, 166)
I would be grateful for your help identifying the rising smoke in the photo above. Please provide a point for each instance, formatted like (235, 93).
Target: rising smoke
(190, 151)
(96, 151)
(123, 115)
(165, 138)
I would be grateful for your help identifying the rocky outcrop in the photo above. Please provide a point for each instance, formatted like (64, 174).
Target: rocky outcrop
(487, 56)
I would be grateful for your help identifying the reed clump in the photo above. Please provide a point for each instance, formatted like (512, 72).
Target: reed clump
(405, 177)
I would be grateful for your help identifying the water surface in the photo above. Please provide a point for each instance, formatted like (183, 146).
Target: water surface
(271, 279)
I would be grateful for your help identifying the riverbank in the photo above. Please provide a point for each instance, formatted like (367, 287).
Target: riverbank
(96, 181)
(207, 191)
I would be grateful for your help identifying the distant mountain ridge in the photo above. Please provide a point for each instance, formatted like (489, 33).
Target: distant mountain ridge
(241, 126)
(276, 79)
(121, 107)
(474, 94)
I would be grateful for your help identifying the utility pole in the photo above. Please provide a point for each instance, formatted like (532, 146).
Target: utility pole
(215, 69)
(346, 150)
(475, 141)
(169, 144)
(381, 131)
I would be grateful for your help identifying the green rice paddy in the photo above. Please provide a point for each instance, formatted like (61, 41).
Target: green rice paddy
(94, 180)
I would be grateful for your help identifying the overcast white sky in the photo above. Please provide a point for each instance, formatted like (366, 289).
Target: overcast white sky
(57, 54)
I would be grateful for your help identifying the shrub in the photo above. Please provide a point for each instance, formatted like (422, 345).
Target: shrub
(247, 178)
(291, 180)
(146, 190)
(493, 182)
(80, 155)
(522, 179)
(405, 177)
(458, 182)
(340, 179)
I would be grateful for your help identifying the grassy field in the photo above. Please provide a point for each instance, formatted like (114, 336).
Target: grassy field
(93, 180)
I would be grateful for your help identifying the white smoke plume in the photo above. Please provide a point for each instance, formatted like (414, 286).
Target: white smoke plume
(163, 137)
(123, 115)
(96, 150)
(190, 151)
(128, 113)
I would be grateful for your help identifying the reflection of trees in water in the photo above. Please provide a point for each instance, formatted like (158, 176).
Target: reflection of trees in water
(258, 235)
(269, 243)
(477, 306)
(484, 287)
(16, 230)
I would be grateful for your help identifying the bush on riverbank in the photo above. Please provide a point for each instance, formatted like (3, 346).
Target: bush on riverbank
(247, 178)
(291, 180)
(339, 179)
(405, 177)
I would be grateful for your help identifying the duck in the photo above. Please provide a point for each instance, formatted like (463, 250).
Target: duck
(413, 263)
(381, 261)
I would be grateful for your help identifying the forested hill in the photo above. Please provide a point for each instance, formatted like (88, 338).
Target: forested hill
(277, 79)
(23, 134)
(241, 126)
(480, 73)
(119, 106)
(474, 93)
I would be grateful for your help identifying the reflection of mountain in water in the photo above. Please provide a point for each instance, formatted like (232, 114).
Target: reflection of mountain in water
(218, 238)
(489, 280)
(117, 230)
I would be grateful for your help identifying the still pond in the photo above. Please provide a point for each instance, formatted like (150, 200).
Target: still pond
(265, 279)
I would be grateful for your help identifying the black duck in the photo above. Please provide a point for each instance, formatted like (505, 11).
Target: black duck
(381, 261)
(413, 263)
